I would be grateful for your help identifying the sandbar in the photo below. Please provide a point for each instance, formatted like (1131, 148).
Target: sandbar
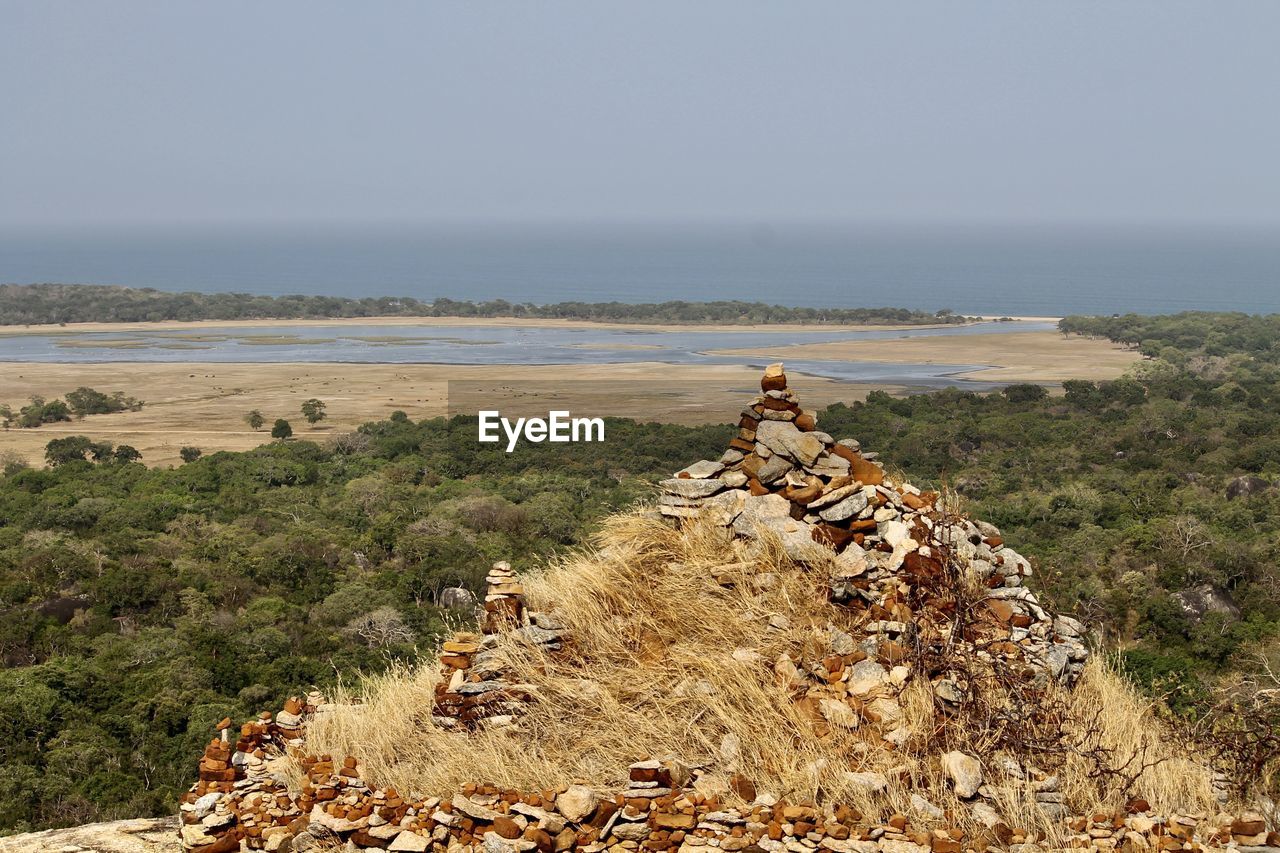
(1048, 357)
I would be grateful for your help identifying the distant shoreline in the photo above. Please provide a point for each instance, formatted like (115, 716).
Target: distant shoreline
(444, 322)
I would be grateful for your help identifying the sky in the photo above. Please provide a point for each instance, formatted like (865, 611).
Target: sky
(717, 110)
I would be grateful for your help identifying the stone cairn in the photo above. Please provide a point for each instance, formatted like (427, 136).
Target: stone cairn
(890, 550)
(474, 690)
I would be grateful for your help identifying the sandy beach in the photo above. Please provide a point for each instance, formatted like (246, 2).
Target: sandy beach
(1046, 357)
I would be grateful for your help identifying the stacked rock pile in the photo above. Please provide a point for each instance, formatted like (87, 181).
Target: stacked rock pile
(475, 689)
(893, 554)
(213, 819)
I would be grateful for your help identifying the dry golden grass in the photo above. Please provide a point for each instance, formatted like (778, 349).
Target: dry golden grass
(650, 672)
(203, 405)
(1125, 724)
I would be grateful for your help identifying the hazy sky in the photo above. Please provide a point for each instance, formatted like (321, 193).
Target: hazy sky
(421, 111)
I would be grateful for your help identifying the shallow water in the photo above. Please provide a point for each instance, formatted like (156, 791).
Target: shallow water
(484, 345)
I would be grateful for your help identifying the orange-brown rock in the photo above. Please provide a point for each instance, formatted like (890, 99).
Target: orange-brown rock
(867, 473)
(742, 787)
(674, 821)
(1000, 610)
(506, 827)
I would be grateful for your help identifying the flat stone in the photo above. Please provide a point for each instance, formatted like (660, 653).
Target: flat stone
(474, 810)
(495, 843)
(1068, 627)
(866, 676)
(872, 783)
(205, 804)
(828, 465)
(851, 562)
(850, 506)
(759, 511)
(834, 496)
(410, 841)
(724, 508)
(985, 814)
(837, 713)
(773, 469)
(701, 470)
(924, 807)
(692, 488)
(784, 438)
(849, 845)
(894, 532)
(631, 831)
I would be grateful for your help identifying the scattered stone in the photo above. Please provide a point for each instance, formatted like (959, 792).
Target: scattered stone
(965, 773)
(577, 803)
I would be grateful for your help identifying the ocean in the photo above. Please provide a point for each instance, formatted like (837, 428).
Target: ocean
(1014, 271)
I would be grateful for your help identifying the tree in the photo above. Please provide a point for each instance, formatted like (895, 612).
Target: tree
(313, 410)
(100, 451)
(255, 420)
(380, 628)
(190, 454)
(1025, 393)
(86, 401)
(127, 453)
(73, 448)
(281, 430)
(39, 412)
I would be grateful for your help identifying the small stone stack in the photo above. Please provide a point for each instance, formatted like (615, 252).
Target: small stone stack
(224, 807)
(289, 720)
(504, 600)
(475, 689)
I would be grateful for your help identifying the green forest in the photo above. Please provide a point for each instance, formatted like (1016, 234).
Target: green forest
(23, 304)
(140, 606)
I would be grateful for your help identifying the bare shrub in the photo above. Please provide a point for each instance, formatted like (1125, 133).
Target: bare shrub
(380, 628)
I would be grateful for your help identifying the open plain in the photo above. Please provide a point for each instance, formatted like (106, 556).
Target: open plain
(204, 404)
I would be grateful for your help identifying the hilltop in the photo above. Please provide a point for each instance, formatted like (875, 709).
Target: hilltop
(794, 649)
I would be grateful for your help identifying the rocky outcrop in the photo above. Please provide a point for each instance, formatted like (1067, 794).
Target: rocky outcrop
(1198, 602)
(143, 835)
(1247, 486)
